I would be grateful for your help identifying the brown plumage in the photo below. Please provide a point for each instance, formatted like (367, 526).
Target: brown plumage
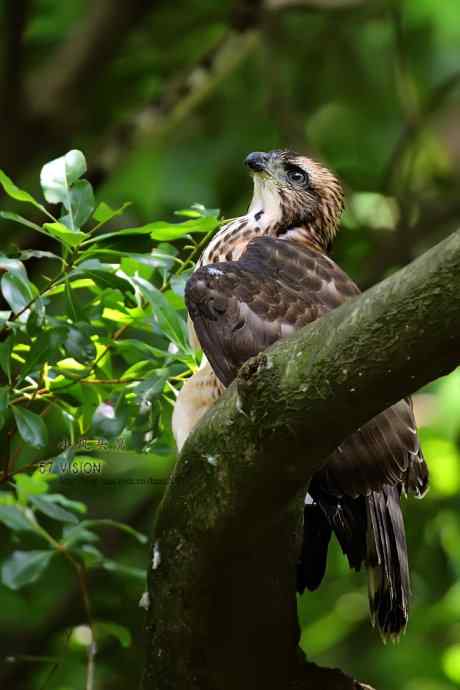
(262, 285)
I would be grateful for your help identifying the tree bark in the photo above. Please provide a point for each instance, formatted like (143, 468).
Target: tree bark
(226, 537)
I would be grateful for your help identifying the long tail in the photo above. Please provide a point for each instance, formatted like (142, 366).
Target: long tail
(387, 563)
(370, 530)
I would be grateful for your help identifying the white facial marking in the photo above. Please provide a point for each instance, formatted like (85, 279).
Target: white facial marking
(266, 198)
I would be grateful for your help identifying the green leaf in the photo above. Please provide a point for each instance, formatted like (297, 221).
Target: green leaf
(142, 230)
(122, 634)
(451, 663)
(132, 267)
(5, 316)
(178, 282)
(109, 420)
(7, 215)
(58, 176)
(62, 462)
(81, 205)
(38, 254)
(104, 212)
(19, 194)
(203, 211)
(36, 319)
(78, 343)
(77, 534)
(24, 567)
(156, 259)
(188, 213)
(31, 427)
(65, 502)
(91, 555)
(4, 393)
(15, 519)
(6, 348)
(17, 291)
(144, 423)
(162, 230)
(43, 348)
(27, 486)
(101, 273)
(169, 321)
(198, 211)
(13, 266)
(136, 348)
(152, 388)
(60, 232)
(46, 505)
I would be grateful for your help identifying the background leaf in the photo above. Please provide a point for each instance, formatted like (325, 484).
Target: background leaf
(47, 506)
(31, 427)
(15, 519)
(24, 567)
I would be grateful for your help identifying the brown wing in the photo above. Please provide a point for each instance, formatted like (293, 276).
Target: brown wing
(239, 308)
(388, 441)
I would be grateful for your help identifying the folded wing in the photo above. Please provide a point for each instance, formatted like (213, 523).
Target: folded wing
(239, 308)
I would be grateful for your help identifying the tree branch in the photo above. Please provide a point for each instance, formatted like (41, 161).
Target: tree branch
(181, 97)
(226, 539)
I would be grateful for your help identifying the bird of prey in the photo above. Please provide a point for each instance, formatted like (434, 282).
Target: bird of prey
(261, 277)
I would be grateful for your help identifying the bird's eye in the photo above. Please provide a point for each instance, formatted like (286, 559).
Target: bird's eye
(297, 176)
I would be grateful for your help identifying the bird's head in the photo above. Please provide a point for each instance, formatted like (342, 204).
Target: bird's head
(296, 192)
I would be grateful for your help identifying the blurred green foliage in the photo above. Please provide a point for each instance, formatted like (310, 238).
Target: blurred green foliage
(166, 117)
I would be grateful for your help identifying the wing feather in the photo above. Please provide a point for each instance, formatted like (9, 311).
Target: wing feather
(239, 308)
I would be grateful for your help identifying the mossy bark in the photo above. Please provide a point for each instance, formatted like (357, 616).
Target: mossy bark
(222, 583)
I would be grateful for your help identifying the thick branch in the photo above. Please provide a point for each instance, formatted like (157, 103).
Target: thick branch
(222, 583)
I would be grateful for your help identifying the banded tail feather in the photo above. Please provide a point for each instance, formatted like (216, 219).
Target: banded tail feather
(370, 531)
(387, 563)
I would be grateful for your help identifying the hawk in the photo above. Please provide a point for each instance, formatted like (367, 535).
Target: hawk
(263, 276)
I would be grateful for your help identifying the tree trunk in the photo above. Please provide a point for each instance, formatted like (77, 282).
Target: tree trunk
(222, 609)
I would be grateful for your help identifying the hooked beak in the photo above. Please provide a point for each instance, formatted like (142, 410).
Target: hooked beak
(257, 161)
